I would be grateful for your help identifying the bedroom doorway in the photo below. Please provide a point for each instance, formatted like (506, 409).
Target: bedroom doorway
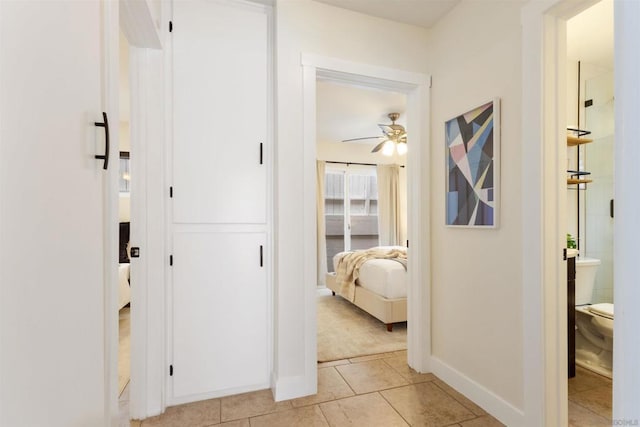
(124, 218)
(361, 207)
(415, 87)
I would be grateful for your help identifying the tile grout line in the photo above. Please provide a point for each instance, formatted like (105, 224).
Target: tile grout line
(457, 400)
(325, 415)
(590, 410)
(394, 408)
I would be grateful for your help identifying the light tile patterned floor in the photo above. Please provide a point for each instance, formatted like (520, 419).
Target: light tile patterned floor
(379, 390)
(368, 391)
(589, 399)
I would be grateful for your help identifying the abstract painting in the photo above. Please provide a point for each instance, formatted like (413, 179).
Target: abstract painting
(473, 146)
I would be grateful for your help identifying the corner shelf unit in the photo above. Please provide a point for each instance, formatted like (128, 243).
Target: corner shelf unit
(575, 140)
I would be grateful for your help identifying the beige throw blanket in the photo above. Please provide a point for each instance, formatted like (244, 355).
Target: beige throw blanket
(349, 268)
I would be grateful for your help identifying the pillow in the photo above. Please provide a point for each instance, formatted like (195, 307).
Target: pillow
(124, 242)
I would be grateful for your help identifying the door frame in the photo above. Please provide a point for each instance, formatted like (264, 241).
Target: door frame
(146, 57)
(416, 87)
(544, 210)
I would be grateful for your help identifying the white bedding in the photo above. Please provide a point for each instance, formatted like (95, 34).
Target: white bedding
(124, 290)
(384, 277)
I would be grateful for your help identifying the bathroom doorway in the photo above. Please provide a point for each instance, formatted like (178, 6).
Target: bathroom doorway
(590, 209)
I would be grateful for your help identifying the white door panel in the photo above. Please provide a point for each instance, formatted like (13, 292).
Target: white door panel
(219, 311)
(220, 113)
(52, 215)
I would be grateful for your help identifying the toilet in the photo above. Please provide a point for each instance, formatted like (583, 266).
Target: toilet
(594, 322)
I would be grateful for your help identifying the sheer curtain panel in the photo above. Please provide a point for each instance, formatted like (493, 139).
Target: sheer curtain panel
(389, 205)
(321, 240)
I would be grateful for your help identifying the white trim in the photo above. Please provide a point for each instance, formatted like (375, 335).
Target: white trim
(181, 400)
(292, 387)
(138, 25)
(499, 408)
(544, 209)
(626, 348)
(269, 157)
(416, 85)
(147, 143)
(348, 71)
(168, 228)
(110, 104)
(139, 304)
(418, 228)
(148, 364)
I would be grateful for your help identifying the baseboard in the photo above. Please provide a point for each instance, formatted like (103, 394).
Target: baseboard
(486, 399)
(292, 387)
(217, 394)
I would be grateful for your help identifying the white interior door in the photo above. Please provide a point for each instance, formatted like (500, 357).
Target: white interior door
(52, 217)
(220, 323)
(220, 314)
(220, 115)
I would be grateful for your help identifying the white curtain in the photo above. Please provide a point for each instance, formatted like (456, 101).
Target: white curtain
(322, 240)
(390, 214)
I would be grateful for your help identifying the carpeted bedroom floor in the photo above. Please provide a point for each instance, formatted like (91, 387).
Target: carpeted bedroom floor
(345, 331)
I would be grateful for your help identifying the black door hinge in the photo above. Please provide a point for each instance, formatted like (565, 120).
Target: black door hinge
(588, 103)
(611, 208)
(170, 26)
(171, 192)
(170, 259)
(407, 244)
(564, 254)
(135, 252)
(261, 153)
(170, 370)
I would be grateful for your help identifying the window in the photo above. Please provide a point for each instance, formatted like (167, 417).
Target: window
(351, 211)
(125, 176)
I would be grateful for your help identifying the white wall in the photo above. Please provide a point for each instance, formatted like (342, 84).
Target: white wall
(476, 306)
(309, 27)
(626, 351)
(473, 55)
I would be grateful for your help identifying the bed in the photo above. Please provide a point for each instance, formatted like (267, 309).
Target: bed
(124, 268)
(380, 288)
(124, 289)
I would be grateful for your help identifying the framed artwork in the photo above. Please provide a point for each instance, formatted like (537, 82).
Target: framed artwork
(473, 167)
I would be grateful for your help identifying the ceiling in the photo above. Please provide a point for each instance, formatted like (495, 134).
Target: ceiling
(423, 13)
(345, 112)
(590, 35)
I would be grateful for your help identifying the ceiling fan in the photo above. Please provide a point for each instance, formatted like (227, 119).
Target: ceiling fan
(394, 137)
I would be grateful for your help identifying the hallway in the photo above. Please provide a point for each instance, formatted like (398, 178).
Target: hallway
(378, 390)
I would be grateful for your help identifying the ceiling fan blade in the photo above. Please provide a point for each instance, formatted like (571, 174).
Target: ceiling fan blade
(385, 128)
(360, 139)
(379, 146)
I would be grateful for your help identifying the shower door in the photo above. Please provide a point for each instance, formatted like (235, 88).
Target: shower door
(599, 160)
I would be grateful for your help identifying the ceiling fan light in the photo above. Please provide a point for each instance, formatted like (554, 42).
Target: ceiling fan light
(388, 148)
(402, 148)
